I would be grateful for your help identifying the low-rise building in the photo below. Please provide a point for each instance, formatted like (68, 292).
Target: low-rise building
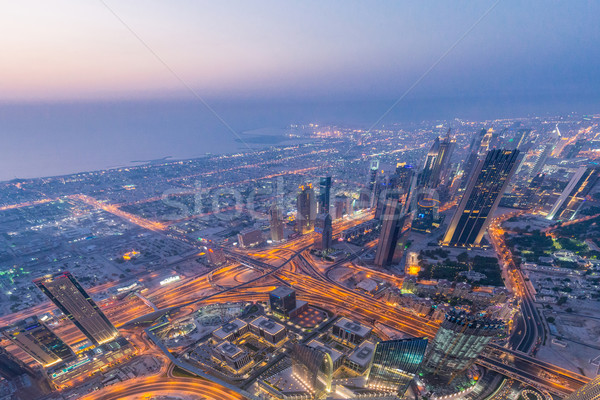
(350, 332)
(268, 329)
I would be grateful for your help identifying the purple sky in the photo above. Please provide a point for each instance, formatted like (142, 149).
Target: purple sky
(69, 49)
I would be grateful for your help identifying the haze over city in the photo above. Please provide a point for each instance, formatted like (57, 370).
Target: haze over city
(299, 200)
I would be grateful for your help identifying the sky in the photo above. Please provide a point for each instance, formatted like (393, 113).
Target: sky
(71, 50)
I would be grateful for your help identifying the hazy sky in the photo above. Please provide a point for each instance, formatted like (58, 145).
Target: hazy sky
(73, 49)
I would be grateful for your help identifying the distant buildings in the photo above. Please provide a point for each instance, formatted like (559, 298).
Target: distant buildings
(37, 340)
(395, 363)
(306, 209)
(68, 295)
(437, 162)
(250, 237)
(390, 232)
(572, 198)
(276, 223)
(458, 342)
(324, 228)
(480, 200)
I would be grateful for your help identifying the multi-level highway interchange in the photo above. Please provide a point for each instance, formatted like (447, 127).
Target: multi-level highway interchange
(171, 202)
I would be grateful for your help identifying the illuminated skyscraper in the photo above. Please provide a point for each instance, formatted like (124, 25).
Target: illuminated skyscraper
(395, 363)
(314, 367)
(68, 295)
(307, 209)
(390, 230)
(589, 391)
(480, 200)
(324, 195)
(471, 160)
(324, 228)
(458, 342)
(11, 367)
(37, 340)
(276, 223)
(572, 198)
(431, 162)
(521, 138)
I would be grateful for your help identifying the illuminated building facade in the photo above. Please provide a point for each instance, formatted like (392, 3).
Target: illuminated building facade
(314, 368)
(458, 342)
(390, 231)
(324, 194)
(268, 329)
(307, 209)
(37, 340)
(572, 198)
(480, 200)
(589, 391)
(427, 217)
(395, 363)
(276, 223)
(68, 295)
(324, 228)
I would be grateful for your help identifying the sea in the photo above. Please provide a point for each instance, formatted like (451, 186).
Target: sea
(49, 139)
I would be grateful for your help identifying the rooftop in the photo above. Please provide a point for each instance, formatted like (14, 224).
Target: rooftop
(353, 327)
(267, 325)
(362, 354)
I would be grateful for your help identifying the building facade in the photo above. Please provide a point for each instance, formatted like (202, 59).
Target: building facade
(395, 363)
(37, 340)
(480, 200)
(68, 295)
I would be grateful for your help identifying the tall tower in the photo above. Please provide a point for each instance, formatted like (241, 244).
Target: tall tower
(11, 367)
(395, 363)
(589, 391)
(324, 195)
(37, 340)
(572, 198)
(68, 295)
(324, 228)
(471, 161)
(390, 230)
(276, 223)
(458, 343)
(431, 164)
(307, 209)
(480, 200)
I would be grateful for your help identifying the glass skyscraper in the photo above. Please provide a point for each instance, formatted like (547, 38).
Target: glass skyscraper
(37, 340)
(572, 198)
(458, 342)
(395, 363)
(68, 295)
(480, 200)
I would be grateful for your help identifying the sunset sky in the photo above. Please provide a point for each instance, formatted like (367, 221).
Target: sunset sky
(69, 50)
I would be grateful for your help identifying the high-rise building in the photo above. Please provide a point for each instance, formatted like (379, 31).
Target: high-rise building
(390, 230)
(458, 342)
(474, 149)
(539, 164)
(395, 363)
(324, 195)
(324, 228)
(589, 391)
(571, 199)
(307, 209)
(372, 181)
(276, 223)
(480, 200)
(37, 340)
(11, 367)
(68, 295)
(521, 138)
(442, 173)
(431, 161)
(404, 182)
(314, 367)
